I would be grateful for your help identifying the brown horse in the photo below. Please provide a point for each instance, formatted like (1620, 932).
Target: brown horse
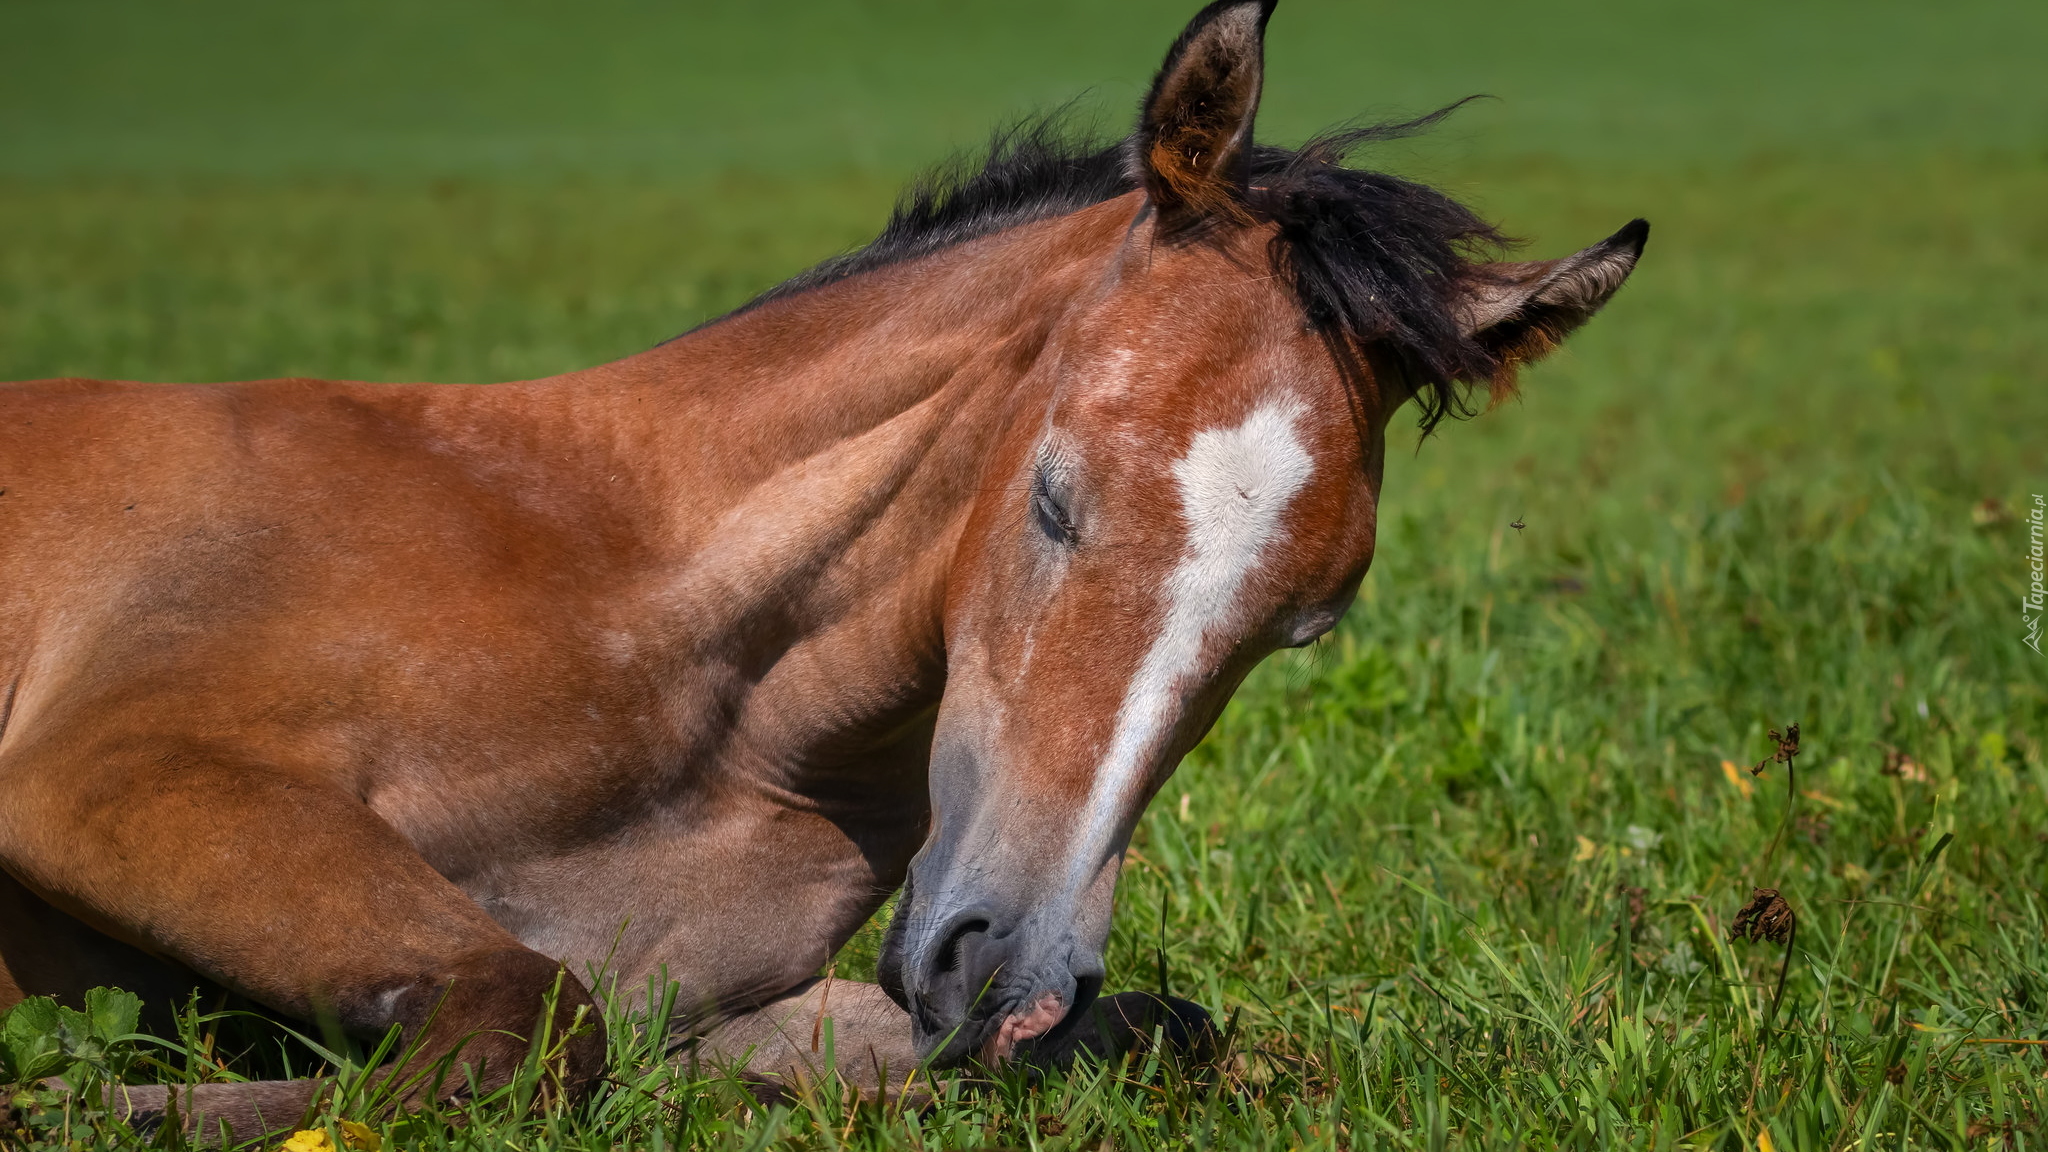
(388, 705)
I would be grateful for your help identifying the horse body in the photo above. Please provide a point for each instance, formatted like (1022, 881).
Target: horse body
(388, 704)
(653, 647)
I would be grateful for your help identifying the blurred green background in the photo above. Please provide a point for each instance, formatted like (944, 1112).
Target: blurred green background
(1780, 478)
(461, 87)
(1843, 193)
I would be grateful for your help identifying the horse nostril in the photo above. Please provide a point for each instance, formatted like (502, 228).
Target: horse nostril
(946, 958)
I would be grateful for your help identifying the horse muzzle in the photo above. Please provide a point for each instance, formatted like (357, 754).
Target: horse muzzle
(980, 977)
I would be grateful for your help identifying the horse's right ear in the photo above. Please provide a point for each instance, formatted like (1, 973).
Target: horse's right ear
(1194, 139)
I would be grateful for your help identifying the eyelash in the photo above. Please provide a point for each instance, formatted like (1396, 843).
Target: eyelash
(1052, 519)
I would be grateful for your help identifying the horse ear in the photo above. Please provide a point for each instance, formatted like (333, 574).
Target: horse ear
(1520, 311)
(1194, 138)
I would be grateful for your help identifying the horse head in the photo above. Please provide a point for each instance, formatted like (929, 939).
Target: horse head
(1198, 489)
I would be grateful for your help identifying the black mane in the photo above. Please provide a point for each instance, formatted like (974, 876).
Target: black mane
(1374, 260)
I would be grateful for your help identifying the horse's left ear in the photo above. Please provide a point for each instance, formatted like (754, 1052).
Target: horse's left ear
(1194, 138)
(1521, 311)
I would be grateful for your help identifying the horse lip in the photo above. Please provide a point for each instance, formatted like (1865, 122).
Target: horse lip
(1037, 1019)
(951, 1041)
(980, 1035)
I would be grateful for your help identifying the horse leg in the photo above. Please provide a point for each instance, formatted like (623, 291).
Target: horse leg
(821, 1027)
(297, 895)
(784, 1045)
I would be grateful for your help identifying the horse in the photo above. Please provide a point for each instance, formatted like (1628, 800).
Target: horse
(413, 706)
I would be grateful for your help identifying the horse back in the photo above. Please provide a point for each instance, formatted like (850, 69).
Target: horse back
(380, 586)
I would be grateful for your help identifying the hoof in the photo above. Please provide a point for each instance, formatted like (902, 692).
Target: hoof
(1128, 1022)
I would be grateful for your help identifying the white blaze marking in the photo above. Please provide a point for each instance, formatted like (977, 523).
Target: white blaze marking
(1234, 485)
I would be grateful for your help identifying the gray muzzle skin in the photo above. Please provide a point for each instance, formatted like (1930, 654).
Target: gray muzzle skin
(982, 967)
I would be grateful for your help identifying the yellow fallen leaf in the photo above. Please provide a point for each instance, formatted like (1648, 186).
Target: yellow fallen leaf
(307, 1140)
(1738, 778)
(1763, 1141)
(1586, 850)
(359, 1137)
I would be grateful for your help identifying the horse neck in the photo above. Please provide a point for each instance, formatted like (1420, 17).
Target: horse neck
(810, 464)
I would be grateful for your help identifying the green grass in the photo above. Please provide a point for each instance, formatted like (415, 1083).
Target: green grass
(1753, 492)
(796, 86)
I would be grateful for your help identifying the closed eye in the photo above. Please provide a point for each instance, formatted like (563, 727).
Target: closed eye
(1051, 516)
(1313, 625)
